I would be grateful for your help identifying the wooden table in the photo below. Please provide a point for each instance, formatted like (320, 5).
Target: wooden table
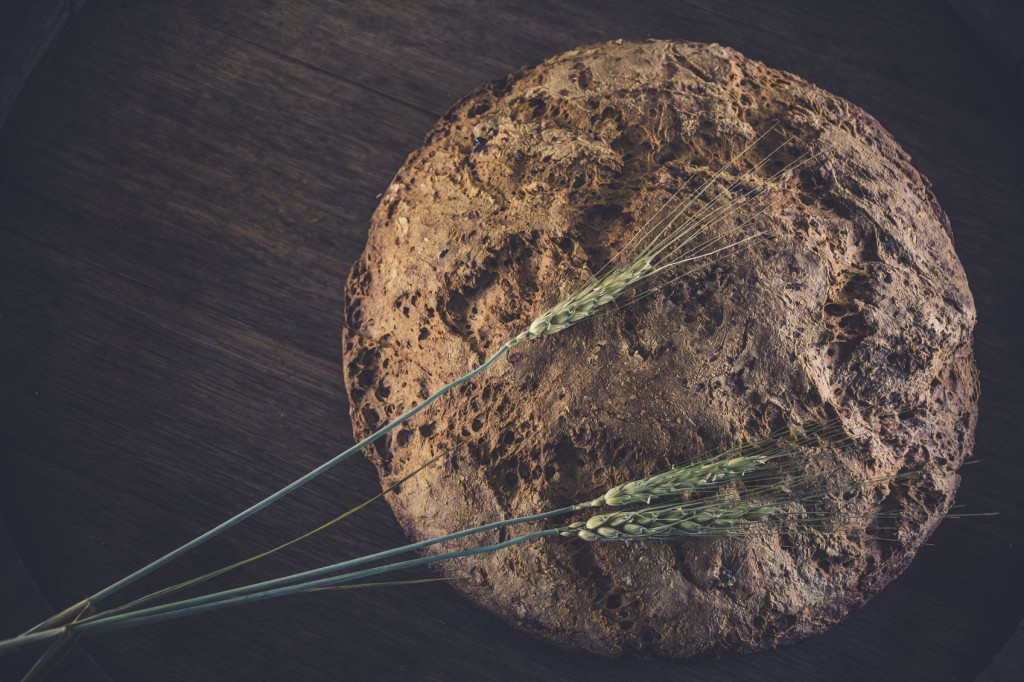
(184, 188)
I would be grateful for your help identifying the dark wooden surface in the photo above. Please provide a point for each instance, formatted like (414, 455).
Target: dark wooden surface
(999, 24)
(184, 187)
(27, 27)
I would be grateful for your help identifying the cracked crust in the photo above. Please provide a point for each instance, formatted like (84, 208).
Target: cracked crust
(852, 305)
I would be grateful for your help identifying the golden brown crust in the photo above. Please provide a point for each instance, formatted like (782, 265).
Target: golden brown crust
(853, 305)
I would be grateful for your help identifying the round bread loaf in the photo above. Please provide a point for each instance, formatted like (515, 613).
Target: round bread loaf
(852, 306)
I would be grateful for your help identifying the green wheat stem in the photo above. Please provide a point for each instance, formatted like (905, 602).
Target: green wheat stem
(721, 515)
(753, 462)
(717, 516)
(347, 564)
(159, 614)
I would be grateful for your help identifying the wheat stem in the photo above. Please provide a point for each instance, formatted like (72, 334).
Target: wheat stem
(747, 460)
(348, 564)
(158, 614)
(713, 517)
(779, 504)
(754, 461)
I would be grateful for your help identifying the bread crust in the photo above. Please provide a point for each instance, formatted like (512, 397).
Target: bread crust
(852, 306)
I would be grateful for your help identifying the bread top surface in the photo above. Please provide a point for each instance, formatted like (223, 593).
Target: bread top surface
(851, 306)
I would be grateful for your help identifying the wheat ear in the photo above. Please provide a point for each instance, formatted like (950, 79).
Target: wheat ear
(769, 458)
(671, 521)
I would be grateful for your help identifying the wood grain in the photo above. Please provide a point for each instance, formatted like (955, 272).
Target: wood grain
(183, 187)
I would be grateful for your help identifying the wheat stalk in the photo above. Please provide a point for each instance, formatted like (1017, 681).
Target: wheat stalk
(770, 459)
(764, 462)
(766, 467)
(719, 516)
(784, 501)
